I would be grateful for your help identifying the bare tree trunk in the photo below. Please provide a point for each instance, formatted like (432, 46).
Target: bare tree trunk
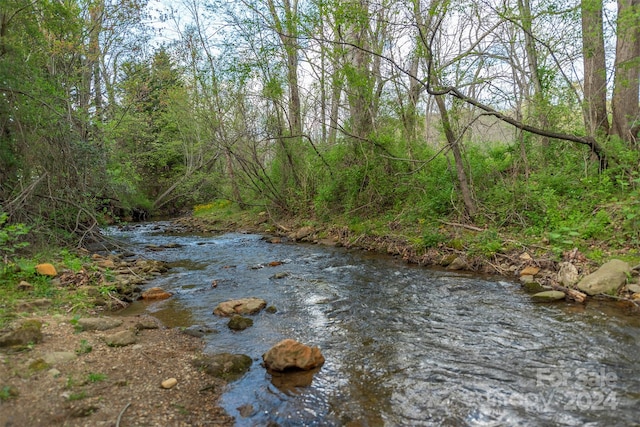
(287, 31)
(595, 72)
(624, 105)
(412, 102)
(97, 16)
(453, 142)
(334, 115)
(538, 98)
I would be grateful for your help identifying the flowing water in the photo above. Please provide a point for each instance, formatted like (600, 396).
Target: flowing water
(404, 345)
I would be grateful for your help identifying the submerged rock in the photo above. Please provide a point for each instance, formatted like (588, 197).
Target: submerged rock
(226, 366)
(240, 306)
(239, 323)
(548, 296)
(156, 294)
(290, 354)
(608, 279)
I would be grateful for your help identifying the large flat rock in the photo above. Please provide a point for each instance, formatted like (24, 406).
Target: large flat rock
(241, 306)
(608, 279)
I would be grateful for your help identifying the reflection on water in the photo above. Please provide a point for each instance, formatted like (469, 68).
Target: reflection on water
(171, 312)
(403, 345)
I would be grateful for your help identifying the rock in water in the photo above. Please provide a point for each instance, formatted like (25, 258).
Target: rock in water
(227, 366)
(240, 306)
(608, 279)
(239, 323)
(548, 296)
(156, 294)
(290, 354)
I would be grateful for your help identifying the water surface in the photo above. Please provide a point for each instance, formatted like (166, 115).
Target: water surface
(404, 345)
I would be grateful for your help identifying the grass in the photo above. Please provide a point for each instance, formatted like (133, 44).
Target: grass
(93, 377)
(8, 392)
(20, 284)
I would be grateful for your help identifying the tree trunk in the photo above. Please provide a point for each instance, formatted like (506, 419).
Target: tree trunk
(287, 31)
(97, 16)
(595, 72)
(624, 105)
(452, 141)
(538, 98)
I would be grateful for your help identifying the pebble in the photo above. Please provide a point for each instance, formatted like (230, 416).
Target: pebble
(169, 383)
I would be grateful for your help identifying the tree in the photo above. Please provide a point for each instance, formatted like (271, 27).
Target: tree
(595, 72)
(625, 101)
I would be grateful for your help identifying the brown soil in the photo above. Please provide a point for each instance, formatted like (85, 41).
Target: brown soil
(108, 386)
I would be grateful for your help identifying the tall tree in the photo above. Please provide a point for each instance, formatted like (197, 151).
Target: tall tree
(595, 72)
(625, 102)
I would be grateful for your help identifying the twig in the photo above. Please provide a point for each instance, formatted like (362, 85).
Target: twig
(121, 414)
(469, 227)
(209, 387)
(150, 358)
(119, 301)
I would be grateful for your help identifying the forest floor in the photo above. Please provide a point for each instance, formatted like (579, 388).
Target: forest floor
(74, 378)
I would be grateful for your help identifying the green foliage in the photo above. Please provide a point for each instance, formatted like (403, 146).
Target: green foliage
(8, 392)
(432, 239)
(216, 205)
(77, 396)
(93, 377)
(487, 243)
(10, 235)
(84, 348)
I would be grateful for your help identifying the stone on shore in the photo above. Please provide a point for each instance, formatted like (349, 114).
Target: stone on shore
(169, 383)
(608, 279)
(529, 271)
(98, 323)
(568, 274)
(290, 354)
(240, 306)
(458, 264)
(25, 333)
(46, 269)
(121, 339)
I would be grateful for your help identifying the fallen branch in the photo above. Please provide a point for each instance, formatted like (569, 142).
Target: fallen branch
(571, 293)
(209, 387)
(119, 301)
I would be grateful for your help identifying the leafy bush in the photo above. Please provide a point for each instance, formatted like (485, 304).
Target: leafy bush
(10, 236)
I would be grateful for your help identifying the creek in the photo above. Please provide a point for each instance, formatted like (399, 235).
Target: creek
(404, 345)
